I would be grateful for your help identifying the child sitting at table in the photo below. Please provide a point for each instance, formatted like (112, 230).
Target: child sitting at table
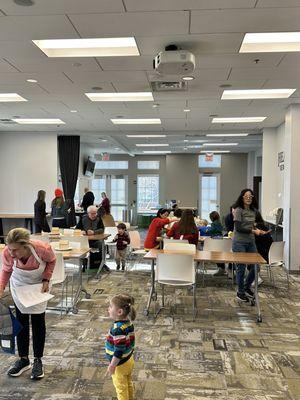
(203, 227)
(122, 239)
(216, 230)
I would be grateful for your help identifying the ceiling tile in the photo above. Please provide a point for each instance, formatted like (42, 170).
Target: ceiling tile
(156, 5)
(131, 24)
(250, 20)
(55, 7)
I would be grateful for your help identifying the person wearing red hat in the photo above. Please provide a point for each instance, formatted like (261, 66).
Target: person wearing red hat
(59, 210)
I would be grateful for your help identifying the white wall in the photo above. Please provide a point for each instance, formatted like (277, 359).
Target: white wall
(28, 163)
(272, 176)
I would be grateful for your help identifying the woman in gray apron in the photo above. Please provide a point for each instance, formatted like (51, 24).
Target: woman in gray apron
(27, 262)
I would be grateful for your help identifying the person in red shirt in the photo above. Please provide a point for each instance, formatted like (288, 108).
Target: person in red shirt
(155, 229)
(185, 228)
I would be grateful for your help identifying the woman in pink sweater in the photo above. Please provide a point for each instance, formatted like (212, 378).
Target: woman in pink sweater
(27, 262)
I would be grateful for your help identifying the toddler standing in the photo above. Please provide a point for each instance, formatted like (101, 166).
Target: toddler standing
(122, 239)
(119, 345)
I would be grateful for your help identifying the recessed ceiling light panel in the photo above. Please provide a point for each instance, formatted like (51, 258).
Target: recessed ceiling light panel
(157, 151)
(257, 94)
(135, 121)
(131, 96)
(102, 47)
(220, 144)
(146, 136)
(227, 134)
(268, 42)
(152, 144)
(39, 121)
(236, 120)
(10, 97)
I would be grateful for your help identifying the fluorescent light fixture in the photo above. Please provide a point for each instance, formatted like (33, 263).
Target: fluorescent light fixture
(157, 151)
(9, 97)
(39, 121)
(220, 144)
(135, 121)
(188, 78)
(131, 96)
(215, 151)
(152, 145)
(270, 42)
(99, 47)
(186, 110)
(235, 120)
(227, 134)
(257, 94)
(73, 111)
(195, 146)
(146, 136)
(31, 80)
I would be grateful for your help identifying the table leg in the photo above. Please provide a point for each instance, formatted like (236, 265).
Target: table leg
(103, 258)
(80, 289)
(259, 317)
(152, 294)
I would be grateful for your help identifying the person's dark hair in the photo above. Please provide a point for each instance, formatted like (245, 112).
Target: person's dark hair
(240, 202)
(125, 302)
(161, 211)
(178, 213)
(41, 195)
(174, 206)
(121, 225)
(214, 216)
(187, 225)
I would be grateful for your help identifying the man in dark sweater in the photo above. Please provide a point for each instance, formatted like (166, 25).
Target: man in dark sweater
(92, 224)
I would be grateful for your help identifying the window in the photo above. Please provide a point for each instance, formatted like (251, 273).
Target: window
(207, 162)
(76, 195)
(98, 186)
(148, 164)
(118, 196)
(147, 192)
(111, 165)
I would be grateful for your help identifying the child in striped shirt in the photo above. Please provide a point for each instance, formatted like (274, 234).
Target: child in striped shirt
(119, 345)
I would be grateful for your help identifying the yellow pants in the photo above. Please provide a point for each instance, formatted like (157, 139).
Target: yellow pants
(122, 380)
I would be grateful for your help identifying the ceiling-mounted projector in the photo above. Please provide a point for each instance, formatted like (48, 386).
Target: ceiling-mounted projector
(174, 62)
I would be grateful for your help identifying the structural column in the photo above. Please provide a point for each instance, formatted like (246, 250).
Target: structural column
(291, 200)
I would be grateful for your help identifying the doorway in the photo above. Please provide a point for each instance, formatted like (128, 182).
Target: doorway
(209, 196)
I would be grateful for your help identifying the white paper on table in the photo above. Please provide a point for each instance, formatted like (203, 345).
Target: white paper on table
(30, 295)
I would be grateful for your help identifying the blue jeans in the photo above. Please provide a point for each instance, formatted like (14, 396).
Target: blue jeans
(238, 247)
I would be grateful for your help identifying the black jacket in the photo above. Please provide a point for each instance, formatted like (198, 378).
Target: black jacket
(88, 200)
(39, 211)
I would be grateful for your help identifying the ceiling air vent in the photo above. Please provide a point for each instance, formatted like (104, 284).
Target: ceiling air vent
(180, 86)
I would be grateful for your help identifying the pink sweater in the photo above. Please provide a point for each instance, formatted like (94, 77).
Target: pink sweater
(43, 250)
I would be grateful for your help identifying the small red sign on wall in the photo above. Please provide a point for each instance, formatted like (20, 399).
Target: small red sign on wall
(209, 156)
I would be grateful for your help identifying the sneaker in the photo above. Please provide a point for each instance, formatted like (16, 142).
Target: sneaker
(249, 293)
(20, 366)
(123, 268)
(105, 268)
(37, 369)
(118, 267)
(220, 272)
(242, 297)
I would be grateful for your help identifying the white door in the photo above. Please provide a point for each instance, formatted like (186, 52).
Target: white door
(116, 188)
(209, 198)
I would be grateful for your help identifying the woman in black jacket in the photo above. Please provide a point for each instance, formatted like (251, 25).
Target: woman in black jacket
(40, 214)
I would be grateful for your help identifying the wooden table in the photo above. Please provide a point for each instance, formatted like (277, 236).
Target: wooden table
(208, 256)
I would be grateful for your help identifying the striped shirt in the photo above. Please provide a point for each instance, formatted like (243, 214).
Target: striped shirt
(120, 341)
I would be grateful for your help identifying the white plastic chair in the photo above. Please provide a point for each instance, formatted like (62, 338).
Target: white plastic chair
(136, 252)
(276, 259)
(222, 244)
(176, 270)
(112, 231)
(169, 240)
(180, 247)
(58, 277)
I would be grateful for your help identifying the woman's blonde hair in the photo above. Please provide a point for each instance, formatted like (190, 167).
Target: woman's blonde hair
(18, 235)
(125, 302)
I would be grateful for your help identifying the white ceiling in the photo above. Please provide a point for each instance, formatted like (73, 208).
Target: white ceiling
(211, 29)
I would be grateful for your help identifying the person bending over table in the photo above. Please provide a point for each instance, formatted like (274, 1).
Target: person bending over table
(244, 216)
(27, 262)
(92, 224)
(155, 228)
(185, 228)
